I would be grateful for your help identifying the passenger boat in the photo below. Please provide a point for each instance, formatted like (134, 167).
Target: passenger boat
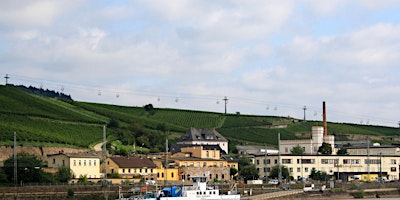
(197, 191)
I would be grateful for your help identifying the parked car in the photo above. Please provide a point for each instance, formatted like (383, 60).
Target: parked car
(273, 182)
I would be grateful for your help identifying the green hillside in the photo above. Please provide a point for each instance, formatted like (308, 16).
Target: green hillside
(40, 120)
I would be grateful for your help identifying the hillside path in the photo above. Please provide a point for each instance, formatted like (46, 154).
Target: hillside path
(98, 147)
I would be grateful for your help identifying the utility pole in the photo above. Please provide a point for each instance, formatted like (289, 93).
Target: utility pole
(279, 159)
(226, 102)
(104, 156)
(6, 77)
(380, 167)
(368, 159)
(166, 162)
(304, 108)
(265, 162)
(15, 160)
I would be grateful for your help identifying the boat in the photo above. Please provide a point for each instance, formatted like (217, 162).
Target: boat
(197, 191)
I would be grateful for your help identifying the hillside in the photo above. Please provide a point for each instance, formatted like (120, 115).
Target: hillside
(44, 121)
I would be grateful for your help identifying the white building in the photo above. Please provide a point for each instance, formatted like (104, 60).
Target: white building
(310, 146)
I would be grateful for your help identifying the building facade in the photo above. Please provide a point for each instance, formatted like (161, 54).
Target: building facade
(342, 167)
(80, 164)
(204, 137)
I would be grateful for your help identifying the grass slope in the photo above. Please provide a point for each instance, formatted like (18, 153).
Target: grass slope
(45, 120)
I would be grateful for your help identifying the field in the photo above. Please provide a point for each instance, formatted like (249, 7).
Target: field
(42, 120)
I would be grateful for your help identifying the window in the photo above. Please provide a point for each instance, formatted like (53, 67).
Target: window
(298, 169)
(329, 161)
(84, 162)
(123, 170)
(372, 161)
(74, 162)
(94, 162)
(79, 162)
(215, 164)
(276, 161)
(392, 161)
(351, 161)
(214, 154)
(267, 169)
(198, 164)
(63, 162)
(172, 175)
(258, 162)
(287, 161)
(221, 164)
(192, 164)
(162, 175)
(129, 170)
(286, 150)
(306, 169)
(54, 161)
(90, 162)
(267, 161)
(223, 176)
(291, 169)
(204, 164)
(393, 169)
(207, 154)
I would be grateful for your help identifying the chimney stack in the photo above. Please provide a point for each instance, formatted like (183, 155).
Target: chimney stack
(324, 118)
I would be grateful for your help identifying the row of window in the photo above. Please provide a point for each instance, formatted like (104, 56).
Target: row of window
(327, 161)
(221, 164)
(137, 170)
(217, 176)
(84, 163)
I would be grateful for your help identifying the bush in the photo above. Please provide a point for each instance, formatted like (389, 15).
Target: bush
(70, 192)
(358, 194)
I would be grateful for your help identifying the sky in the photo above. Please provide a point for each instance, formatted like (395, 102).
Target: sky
(266, 57)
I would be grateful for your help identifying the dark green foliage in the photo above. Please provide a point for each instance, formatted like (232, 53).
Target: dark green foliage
(29, 169)
(297, 150)
(274, 173)
(249, 172)
(64, 174)
(325, 149)
(318, 175)
(70, 192)
(342, 151)
(243, 162)
(233, 171)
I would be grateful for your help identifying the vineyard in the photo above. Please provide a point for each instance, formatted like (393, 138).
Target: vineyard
(51, 121)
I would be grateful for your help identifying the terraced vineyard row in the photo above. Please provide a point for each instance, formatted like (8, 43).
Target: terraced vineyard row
(189, 118)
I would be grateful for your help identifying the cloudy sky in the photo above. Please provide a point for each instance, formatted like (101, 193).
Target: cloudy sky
(266, 57)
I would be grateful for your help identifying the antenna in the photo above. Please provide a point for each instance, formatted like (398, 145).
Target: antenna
(226, 102)
(6, 77)
(304, 108)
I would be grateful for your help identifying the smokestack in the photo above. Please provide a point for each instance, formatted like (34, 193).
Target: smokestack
(324, 118)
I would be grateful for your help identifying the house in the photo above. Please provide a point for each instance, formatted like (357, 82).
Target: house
(81, 164)
(138, 167)
(203, 161)
(203, 136)
(310, 146)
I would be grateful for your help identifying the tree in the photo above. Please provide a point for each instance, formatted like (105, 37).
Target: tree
(249, 172)
(274, 173)
(29, 168)
(233, 171)
(243, 162)
(318, 175)
(342, 151)
(325, 149)
(64, 174)
(297, 150)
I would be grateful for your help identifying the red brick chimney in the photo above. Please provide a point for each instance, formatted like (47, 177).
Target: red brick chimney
(324, 118)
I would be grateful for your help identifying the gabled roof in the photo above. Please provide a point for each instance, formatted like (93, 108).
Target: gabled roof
(202, 135)
(133, 162)
(175, 148)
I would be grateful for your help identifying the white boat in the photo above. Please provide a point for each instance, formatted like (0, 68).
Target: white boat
(198, 191)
